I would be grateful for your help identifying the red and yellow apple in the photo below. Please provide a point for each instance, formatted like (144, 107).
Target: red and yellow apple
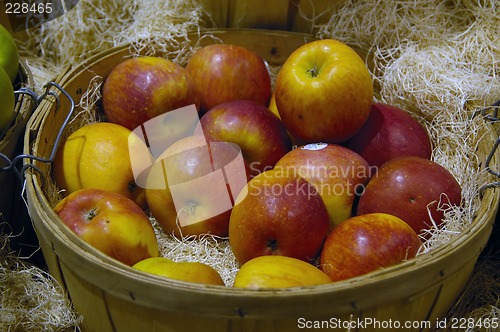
(414, 189)
(141, 88)
(258, 132)
(335, 171)
(278, 272)
(278, 213)
(390, 132)
(98, 155)
(324, 92)
(111, 223)
(191, 188)
(366, 243)
(196, 272)
(225, 72)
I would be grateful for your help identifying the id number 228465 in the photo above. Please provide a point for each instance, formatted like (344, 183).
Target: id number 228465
(21, 7)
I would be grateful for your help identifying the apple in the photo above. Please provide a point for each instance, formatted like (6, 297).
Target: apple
(324, 92)
(141, 88)
(413, 189)
(335, 171)
(365, 243)
(191, 187)
(225, 72)
(9, 56)
(185, 271)
(274, 109)
(390, 132)
(99, 155)
(8, 101)
(272, 106)
(111, 223)
(258, 132)
(278, 272)
(278, 213)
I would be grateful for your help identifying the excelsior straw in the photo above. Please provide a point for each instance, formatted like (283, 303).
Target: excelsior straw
(31, 300)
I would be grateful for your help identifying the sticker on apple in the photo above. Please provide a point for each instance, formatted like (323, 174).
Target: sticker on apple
(314, 146)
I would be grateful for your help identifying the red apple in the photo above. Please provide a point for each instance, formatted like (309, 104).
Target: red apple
(111, 223)
(224, 72)
(253, 127)
(411, 188)
(278, 214)
(335, 171)
(365, 243)
(390, 132)
(324, 92)
(141, 88)
(192, 186)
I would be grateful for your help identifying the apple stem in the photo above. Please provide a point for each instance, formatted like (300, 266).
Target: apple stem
(313, 71)
(272, 244)
(91, 214)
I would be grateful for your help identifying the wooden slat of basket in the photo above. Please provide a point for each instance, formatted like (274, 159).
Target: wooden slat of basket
(89, 299)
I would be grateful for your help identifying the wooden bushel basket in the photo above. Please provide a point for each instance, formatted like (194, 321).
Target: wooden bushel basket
(115, 297)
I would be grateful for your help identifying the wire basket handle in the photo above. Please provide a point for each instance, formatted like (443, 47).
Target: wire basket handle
(13, 165)
(490, 113)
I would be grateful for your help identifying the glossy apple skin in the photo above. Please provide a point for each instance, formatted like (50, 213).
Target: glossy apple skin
(258, 132)
(224, 72)
(390, 132)
(324, 92)
(278, 272)
(278, 214)
(365, 243)
(407, 187)
(186, 173)
(9, 54)
(141, 88)
(196, 272)
(111, 223)
(335, 171)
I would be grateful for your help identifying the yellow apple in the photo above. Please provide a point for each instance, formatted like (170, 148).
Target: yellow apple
(186, 271)
(278, 272)
(98, 156)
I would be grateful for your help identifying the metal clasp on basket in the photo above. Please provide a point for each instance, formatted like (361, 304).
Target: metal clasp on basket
(489, 170)
(12, 165)
(490, 113)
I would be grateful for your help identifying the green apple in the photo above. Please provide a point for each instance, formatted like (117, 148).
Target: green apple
(9, 56)
(7, 102)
